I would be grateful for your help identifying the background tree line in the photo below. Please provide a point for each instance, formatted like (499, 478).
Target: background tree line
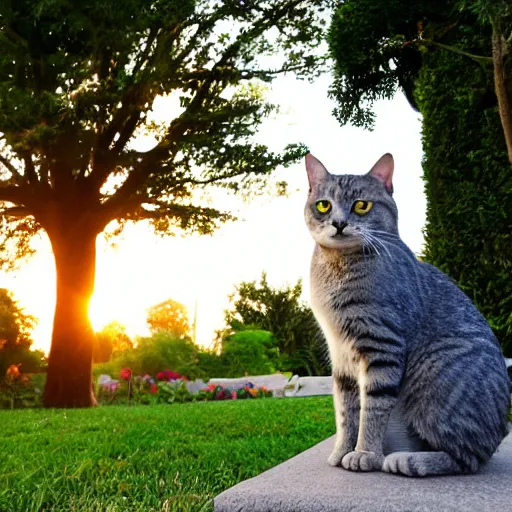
(267, 330)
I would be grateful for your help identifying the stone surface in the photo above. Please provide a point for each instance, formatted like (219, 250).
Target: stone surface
(309, 386)
(194, 386)
(306, 483)
(271, 382)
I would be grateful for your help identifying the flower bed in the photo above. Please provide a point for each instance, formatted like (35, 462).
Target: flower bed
(168, 387)
(18, 390)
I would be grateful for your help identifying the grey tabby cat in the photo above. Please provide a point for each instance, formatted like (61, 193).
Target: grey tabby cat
(420, 383)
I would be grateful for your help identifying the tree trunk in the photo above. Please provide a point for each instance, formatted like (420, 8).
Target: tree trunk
(69, 382)
(502, 84)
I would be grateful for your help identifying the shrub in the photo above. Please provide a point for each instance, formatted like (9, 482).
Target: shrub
(162, 350)
(249, 353)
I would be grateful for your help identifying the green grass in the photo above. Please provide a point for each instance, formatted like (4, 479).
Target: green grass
(149, 458)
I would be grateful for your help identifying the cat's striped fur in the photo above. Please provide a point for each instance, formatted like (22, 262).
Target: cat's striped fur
(420, 383)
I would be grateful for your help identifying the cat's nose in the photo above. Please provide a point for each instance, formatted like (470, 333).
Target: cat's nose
(340, 226)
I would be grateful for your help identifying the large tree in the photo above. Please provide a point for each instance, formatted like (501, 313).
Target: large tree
(440, 53)
(77, 84)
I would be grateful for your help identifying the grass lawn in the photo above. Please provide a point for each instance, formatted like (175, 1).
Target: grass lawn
(149, 458)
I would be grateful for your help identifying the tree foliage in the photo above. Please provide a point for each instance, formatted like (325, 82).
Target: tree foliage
(440, 53)
(379, 47)
(111, 340)
(16, 337)
(281, 312)
(249, 352)
(170, 316)
(469, 185)
(77, 84)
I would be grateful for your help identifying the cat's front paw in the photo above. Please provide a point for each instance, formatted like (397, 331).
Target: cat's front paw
(362, 461)
(337, 454)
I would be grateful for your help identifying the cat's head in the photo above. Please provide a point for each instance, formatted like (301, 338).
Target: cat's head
(347, 212)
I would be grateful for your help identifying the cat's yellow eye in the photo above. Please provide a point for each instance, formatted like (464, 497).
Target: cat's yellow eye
(362, 207)
(323, 206)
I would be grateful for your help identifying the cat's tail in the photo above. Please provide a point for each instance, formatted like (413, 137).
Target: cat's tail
(423, 464)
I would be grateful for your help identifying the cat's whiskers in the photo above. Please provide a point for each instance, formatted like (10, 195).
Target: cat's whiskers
(367, 242)
(375, 243)
(379, 237)
(382, 246)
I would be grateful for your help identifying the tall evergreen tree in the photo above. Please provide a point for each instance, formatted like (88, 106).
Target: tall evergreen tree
(440, 53)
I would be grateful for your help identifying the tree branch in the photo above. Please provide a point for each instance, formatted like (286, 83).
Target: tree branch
(30, 171)
(17, 178)
(15, 195)
(480, 59)
(178, 127)
(153, 33)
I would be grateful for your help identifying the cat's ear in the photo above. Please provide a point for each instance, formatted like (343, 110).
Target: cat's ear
(317, 173)
(383, 171)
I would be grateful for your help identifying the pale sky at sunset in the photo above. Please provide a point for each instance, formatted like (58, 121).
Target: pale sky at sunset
(143, 269)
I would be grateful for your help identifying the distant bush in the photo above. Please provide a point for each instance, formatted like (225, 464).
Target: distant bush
(249, 353)
(210, 364)
(152, 354)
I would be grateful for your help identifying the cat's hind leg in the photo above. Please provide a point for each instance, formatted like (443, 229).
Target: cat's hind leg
(422, 464)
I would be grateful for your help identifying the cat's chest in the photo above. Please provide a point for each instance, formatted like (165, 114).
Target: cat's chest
(344, 358)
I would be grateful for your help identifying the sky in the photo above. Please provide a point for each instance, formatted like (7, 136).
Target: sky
(140, 269)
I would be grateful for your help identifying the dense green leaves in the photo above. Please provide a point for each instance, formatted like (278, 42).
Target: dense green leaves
(112, 339)
(249, 352)
(281, 312)
(469, 185)
(16, 337)
(440, 54)
(161, 351)
(78, 82)
(371, 45)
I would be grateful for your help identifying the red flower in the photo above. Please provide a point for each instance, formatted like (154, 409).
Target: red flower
(125, 374)
(168, 375)
(153, 389)
(13, 372)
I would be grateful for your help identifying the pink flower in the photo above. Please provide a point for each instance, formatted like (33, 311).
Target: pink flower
(125, 374)
(233, 395)
(111, 386)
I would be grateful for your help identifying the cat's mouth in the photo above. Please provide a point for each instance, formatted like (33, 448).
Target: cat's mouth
(344, 240)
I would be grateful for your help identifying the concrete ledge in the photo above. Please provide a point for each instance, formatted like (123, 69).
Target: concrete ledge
(306, 483)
